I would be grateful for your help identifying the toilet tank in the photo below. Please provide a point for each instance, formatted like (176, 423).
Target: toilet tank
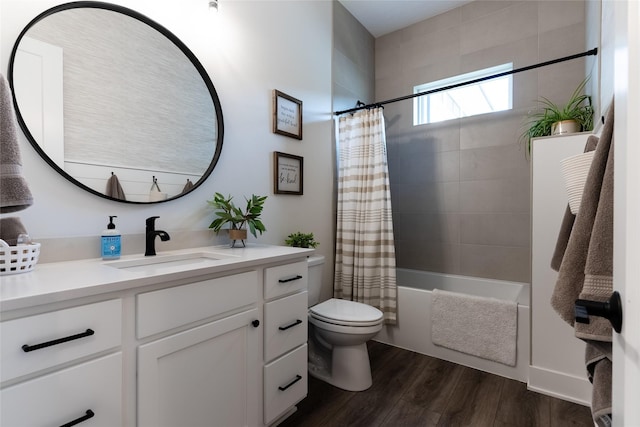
(315, 264)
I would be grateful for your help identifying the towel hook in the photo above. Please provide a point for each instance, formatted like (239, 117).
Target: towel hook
(155, 184)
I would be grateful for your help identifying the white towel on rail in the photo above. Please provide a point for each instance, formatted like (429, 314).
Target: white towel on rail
(480, 326)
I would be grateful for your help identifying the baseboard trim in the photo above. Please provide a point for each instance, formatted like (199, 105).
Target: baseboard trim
(560, 385)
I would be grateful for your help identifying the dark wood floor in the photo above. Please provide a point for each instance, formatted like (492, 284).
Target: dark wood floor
(410, 389)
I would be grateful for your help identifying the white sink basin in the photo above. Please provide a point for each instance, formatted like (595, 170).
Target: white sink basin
(163, 263)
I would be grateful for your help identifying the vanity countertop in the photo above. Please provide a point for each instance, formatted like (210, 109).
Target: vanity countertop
(61, 281)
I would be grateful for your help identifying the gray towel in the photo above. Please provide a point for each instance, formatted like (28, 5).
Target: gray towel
(114, 189)
(568, 219)
(586, 270)
(14, 191)
(187, 187)
(10, 229)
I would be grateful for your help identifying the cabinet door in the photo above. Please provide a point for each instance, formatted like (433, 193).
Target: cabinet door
(205, 376)
(89, 394)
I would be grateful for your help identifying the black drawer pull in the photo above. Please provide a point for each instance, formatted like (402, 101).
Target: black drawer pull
(298, 378)
(290, 279)
(296, 323)
(89, 414)
(27, 348)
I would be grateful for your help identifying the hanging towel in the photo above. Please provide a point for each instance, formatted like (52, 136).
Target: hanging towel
(586, 270)
(114, 189)
(155, 195)
(187, 187)
(568, 219)
(483, 327)
(14, 191)
(10, 229)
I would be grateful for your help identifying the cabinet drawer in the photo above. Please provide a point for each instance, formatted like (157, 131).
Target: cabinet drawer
(162, 310)
(32, 343)
(285, 324)
(66, 395)
(285, 383)
(285, 279)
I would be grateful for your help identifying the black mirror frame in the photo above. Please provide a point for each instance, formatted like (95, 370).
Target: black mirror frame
(168, 34)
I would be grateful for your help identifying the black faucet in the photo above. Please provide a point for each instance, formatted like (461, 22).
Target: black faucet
(151, 233)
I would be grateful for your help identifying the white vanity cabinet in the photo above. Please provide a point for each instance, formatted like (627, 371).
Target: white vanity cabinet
(219, 345)
(285, 339)
(63, 366)
(208, 374)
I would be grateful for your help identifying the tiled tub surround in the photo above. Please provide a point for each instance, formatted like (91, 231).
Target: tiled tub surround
(460, 189)
(134, 345)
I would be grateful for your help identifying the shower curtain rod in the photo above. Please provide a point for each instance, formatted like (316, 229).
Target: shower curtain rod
(593, 51)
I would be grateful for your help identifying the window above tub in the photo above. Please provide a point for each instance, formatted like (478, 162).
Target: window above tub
(482, 97)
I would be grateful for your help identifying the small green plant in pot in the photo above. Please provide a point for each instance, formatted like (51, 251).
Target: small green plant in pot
(301, 240)
(549, 119)
(227, 213)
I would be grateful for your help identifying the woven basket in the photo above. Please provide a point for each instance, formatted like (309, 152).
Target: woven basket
(18, 259)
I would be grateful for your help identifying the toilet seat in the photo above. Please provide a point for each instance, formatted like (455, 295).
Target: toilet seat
(346, 313)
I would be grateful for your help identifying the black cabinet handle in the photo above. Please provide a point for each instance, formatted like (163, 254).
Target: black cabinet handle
(290, 279)
(296, 323)
(89, 414)
(611, 310)
(298, 378)
(27, 348)
(255, 323)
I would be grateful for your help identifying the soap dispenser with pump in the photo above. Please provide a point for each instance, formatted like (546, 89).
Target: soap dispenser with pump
(111, 241)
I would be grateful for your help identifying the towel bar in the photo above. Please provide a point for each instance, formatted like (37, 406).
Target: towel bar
(611, 310)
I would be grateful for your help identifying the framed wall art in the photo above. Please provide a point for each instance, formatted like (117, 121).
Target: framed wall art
(287, 115)
(288, 172)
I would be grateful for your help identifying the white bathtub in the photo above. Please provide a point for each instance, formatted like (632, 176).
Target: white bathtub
(413, 331)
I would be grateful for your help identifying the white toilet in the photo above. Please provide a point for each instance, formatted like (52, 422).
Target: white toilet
(338, 335)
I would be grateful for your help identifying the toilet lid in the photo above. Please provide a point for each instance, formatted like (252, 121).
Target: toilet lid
(343, 312)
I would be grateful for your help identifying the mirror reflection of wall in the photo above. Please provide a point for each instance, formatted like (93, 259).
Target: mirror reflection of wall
(132, 102)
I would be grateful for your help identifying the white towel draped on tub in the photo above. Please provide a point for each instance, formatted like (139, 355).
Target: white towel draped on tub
(483, 327)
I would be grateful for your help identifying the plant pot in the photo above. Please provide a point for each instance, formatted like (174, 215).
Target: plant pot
(236, 235)
(565, 127)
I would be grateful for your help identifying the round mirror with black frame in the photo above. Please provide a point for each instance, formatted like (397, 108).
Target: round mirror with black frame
(115, 102)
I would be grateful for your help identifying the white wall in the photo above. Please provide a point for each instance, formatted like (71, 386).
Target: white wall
(249, 48)
(557, 356)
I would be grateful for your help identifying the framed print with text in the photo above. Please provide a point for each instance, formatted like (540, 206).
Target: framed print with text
(287, 115)
(288, 172)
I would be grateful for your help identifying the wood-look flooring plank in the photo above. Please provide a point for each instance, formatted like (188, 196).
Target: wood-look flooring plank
(323, 401)
(432, 387)
(408, 414)
(370, 408)
(521, 407)
(474, 401)
(410, 389)
(566, 414)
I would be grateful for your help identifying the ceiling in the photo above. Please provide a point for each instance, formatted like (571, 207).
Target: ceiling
(381, 17)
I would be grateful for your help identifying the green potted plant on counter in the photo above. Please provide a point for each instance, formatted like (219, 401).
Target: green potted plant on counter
(301, 240)
(227, 213)
(552, 119)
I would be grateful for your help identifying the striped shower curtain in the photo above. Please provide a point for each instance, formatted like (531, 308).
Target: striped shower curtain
(365, 254)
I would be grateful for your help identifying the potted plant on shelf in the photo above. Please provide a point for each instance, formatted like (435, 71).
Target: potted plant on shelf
(301, 240)
(227, 213)
(552, 119)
